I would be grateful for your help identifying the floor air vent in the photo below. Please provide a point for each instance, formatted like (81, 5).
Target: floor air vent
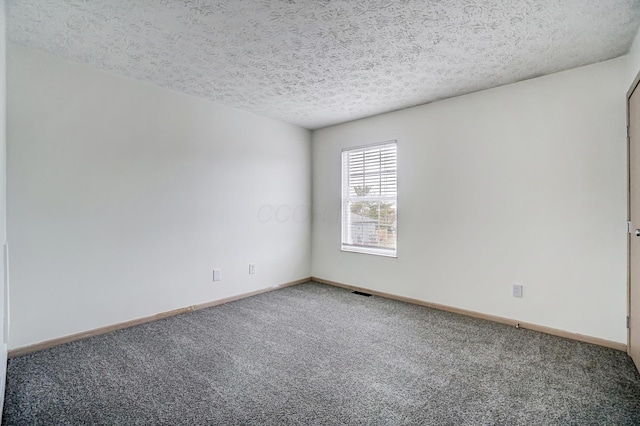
(359, 293)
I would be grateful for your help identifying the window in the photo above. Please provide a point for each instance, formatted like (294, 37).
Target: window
(370, 199)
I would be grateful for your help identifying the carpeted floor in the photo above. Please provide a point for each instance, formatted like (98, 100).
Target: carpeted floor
(314, 354)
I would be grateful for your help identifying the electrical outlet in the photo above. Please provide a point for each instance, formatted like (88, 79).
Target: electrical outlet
(517, 290)
(217, 274)
(252, 268)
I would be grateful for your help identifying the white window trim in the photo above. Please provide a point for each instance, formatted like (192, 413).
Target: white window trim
(354, 248)
(371, 250)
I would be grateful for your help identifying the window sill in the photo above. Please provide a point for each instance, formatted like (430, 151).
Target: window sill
(370, 250)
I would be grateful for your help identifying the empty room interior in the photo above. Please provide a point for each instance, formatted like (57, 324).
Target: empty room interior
(320, 212)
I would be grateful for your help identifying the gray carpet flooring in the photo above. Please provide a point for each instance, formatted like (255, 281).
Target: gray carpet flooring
(314, 354)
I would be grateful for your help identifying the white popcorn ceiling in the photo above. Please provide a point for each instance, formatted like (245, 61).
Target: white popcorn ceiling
(317, 63)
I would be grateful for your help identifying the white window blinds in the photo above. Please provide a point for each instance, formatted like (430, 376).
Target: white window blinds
(370, 199)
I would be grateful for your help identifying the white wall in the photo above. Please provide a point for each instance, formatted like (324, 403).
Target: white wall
(3, 211)
(524, 183)
(122, 198)
(634, 58)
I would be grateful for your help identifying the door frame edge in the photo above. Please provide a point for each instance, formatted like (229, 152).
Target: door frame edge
(632, 89)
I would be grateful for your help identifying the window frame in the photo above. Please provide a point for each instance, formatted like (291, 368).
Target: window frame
(346, 199)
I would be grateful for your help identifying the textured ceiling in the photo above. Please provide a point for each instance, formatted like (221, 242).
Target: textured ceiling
(322, 62)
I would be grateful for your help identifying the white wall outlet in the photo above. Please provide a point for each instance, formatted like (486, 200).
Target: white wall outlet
(517, 290)
(217, 274)
(252, 268)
